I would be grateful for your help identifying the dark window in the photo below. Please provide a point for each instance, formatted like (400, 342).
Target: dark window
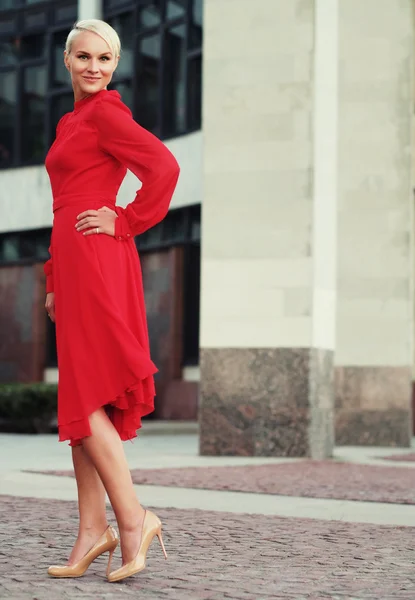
(162, 42)
(195, 92)
(34, 84)
(150, 15)
(191, 307)
(33, 46)
(174, 97)
(176, 9)
(25, 246)
(124, 26)
(195, 25)
(8, 101)
(125, 90)
(5, 4)
(33, 141)
(181, 227)
(60, 105)
(60, 75)
(148, 82)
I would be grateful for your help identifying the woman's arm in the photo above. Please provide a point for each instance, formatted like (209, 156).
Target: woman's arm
(143, 154)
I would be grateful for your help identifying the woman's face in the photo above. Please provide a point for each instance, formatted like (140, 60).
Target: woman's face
(91, 64)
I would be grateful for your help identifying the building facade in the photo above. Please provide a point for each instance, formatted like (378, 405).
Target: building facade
(303, 163)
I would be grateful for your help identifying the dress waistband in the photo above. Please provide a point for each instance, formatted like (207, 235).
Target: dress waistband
(71, 199)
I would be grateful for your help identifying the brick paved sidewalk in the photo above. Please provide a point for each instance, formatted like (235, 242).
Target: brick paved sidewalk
(400, 457)
(306, 478)
(213, 556)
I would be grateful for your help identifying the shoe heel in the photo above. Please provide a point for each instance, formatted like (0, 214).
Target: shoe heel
(111, 554)
(160, 537)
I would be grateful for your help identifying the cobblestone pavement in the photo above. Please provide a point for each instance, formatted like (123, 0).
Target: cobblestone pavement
(212, 556)
(315, 479)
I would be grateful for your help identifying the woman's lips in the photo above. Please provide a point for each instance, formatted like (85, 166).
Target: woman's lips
(91, 79)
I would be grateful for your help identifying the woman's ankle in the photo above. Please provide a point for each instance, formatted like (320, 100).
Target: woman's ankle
(93, 529)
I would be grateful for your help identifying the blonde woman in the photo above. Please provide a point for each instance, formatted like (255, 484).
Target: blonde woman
(95, 296)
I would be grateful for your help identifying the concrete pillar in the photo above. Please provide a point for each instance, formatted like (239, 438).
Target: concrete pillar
(269, 227)
(374, 354)
(90, 9)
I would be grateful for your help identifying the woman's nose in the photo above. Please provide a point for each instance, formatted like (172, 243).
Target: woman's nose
(93, 66)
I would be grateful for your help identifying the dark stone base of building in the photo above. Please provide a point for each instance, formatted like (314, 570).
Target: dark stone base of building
(373, 406)
(266, 402)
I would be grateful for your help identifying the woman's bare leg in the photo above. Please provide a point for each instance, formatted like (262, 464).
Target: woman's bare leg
(91, 503)
(106, 451)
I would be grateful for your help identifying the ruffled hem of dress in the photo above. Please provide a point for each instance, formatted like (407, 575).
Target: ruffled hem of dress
(125, 411)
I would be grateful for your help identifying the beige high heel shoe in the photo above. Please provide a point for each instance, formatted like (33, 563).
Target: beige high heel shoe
(151, 528)
(106, 543)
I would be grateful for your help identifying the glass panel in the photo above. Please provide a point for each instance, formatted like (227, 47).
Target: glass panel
(174, 227)
(34, 19)
(150, 15)
(66, 13)
(27, 245)
(126, 91)
(174, 100)
(5, 4)
(196, 22)
(33, 1)
(175, 8)
(9, 51)
(8, 98)
(7, 26)
(149, 81)
(60, 106)
(34, 104)
(42, 242)
(33, 46)
(60, 73)
(195, 93)
(195, 215)
(124, 26)
(11, 248)
(116, 3)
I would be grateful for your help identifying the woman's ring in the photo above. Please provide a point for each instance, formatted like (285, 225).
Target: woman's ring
(97, 230)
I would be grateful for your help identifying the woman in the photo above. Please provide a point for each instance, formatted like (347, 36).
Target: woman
(95, 296)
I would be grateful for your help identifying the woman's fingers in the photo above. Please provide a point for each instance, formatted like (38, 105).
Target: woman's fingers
(94, 231)
(50, 309)
(92, 222)
(87, 213)
(87, 223)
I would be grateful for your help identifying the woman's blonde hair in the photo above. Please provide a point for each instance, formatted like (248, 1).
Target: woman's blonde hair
(101, 28)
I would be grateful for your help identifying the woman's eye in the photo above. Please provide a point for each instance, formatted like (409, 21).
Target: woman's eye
(104, 58)
(82, 56)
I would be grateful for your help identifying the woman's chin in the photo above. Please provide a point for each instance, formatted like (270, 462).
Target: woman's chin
(92, 87)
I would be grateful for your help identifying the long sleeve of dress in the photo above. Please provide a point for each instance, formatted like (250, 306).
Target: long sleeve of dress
(143, 154)
(47, 268)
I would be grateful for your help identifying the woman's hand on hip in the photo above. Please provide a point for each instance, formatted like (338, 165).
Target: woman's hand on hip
(93, 222)
(50, 305)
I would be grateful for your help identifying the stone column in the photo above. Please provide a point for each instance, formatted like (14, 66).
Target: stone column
(374, 355)
(90, 9)
(269, 227)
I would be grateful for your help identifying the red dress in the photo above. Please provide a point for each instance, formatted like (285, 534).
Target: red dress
(101, 327)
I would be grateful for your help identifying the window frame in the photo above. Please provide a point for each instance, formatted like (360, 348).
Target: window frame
(134, 8)
(19, 30)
